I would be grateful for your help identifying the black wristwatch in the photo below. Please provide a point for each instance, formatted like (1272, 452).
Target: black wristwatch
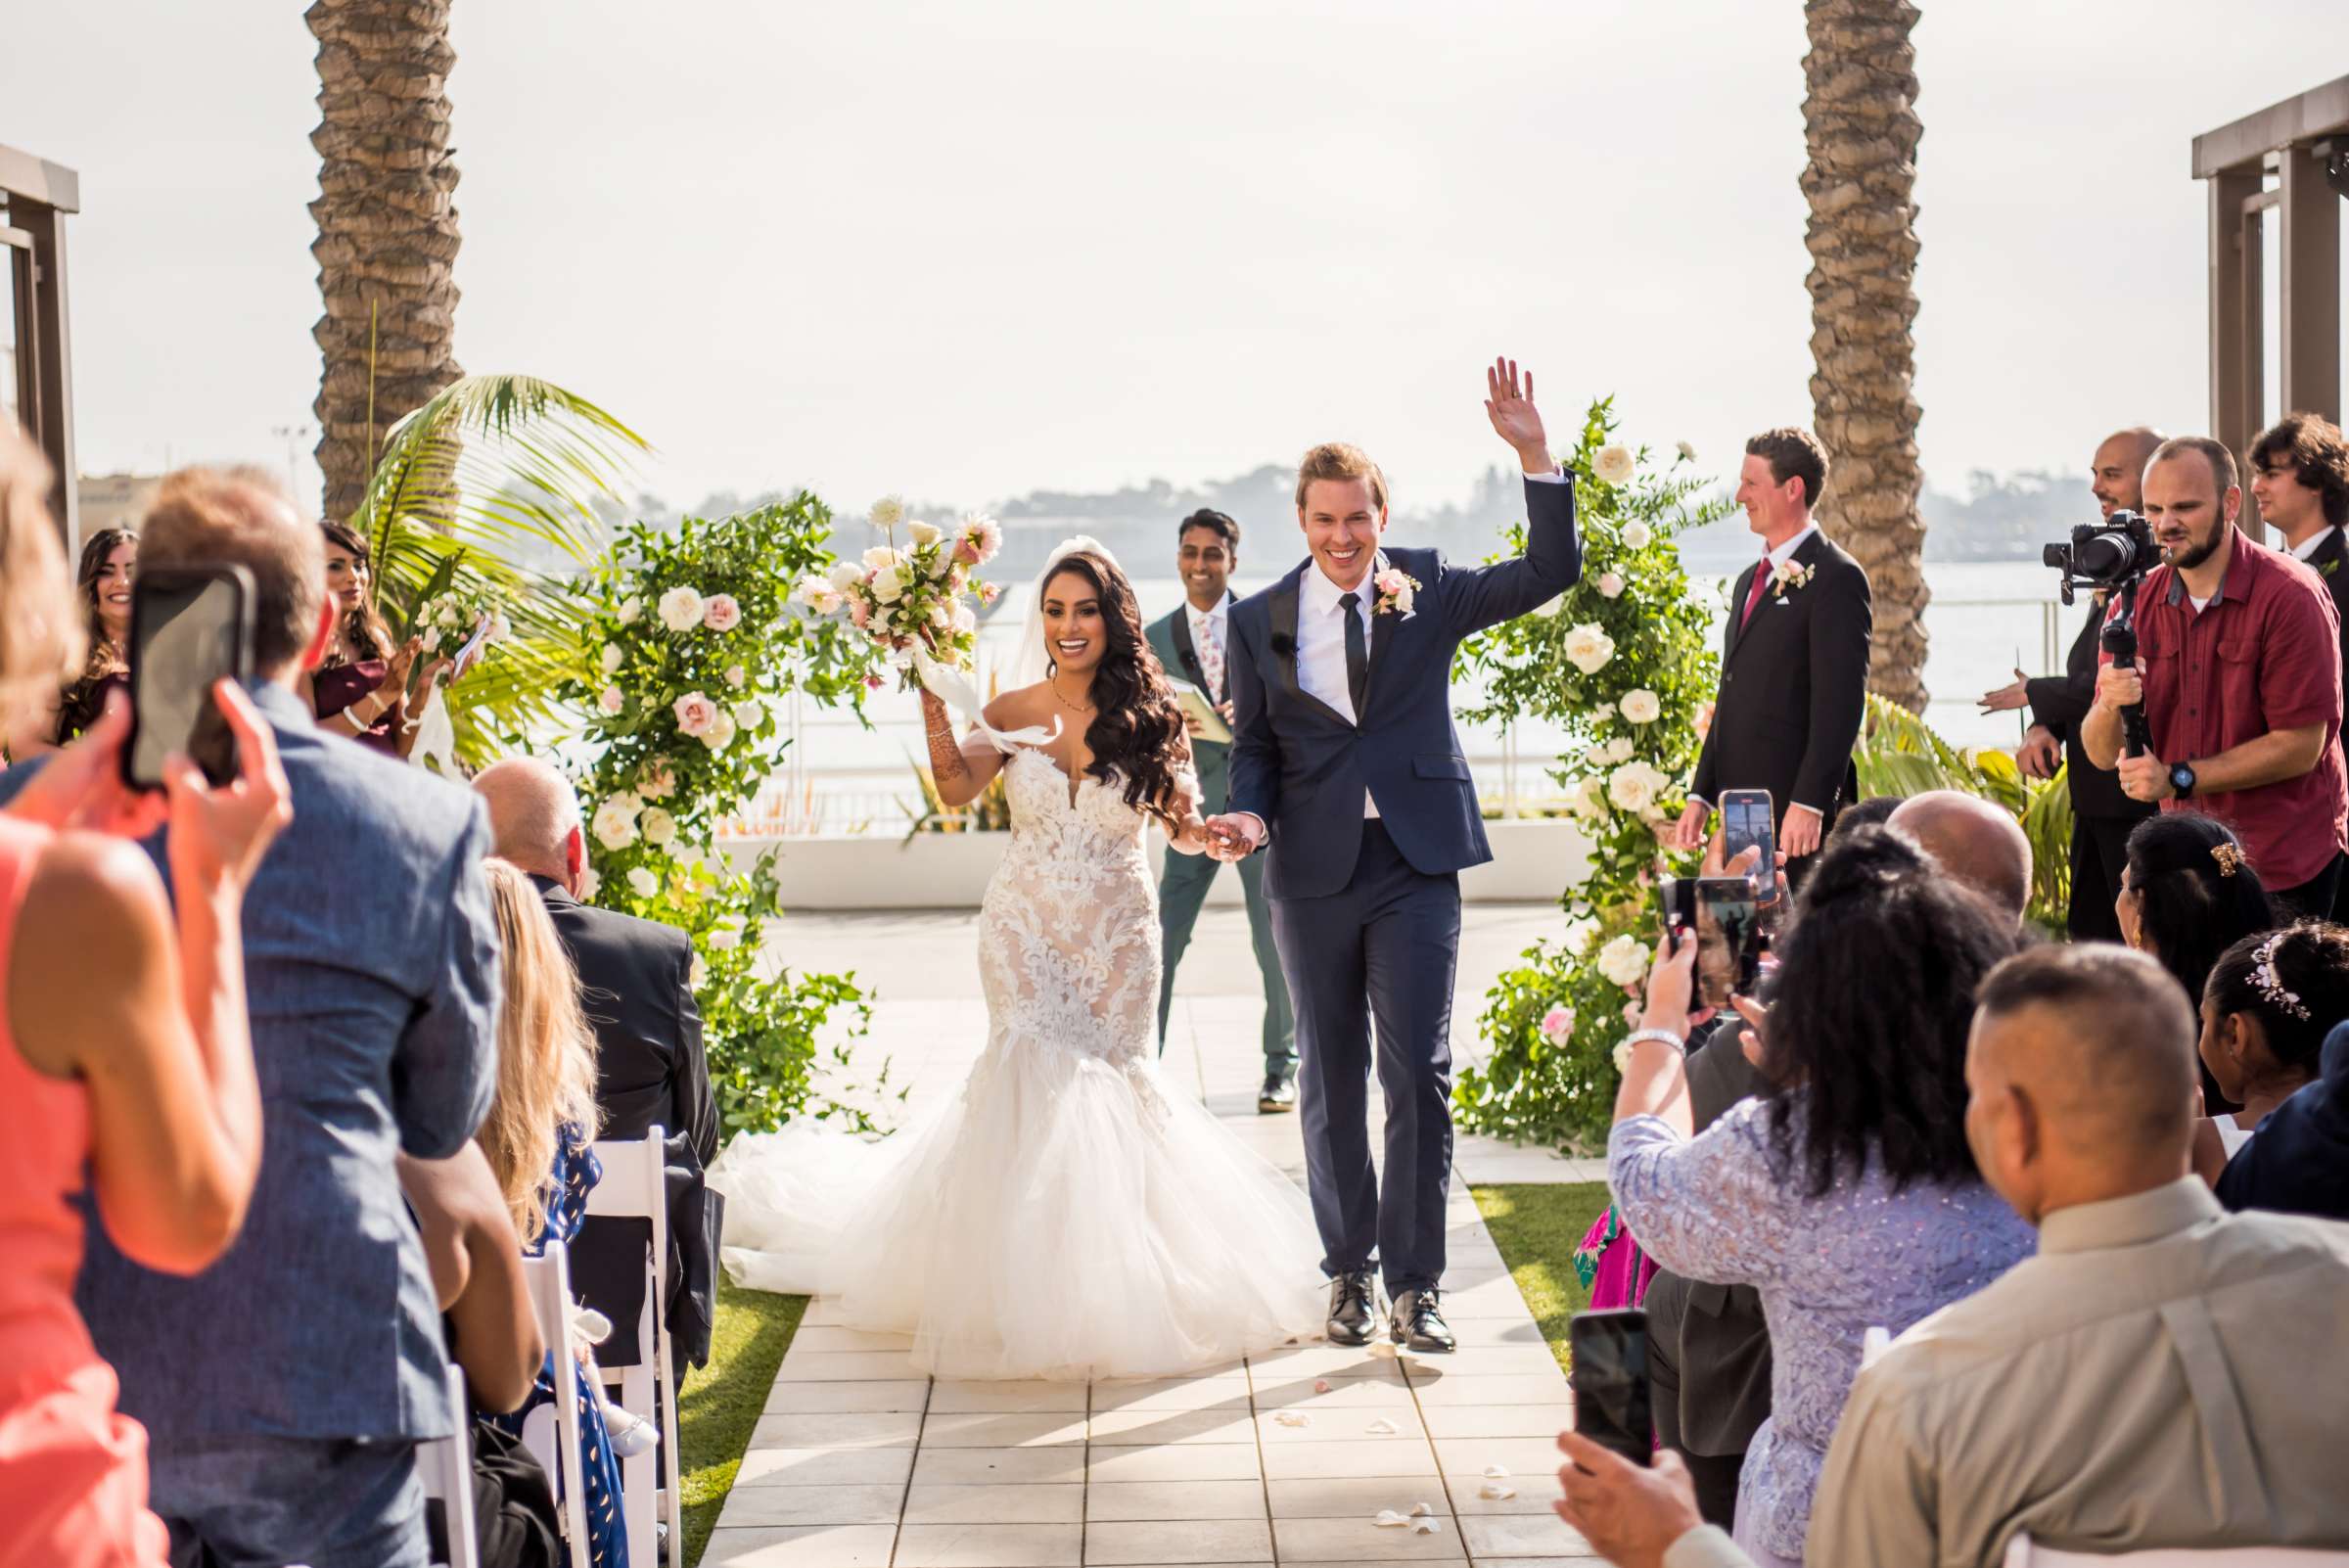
(2181, 779)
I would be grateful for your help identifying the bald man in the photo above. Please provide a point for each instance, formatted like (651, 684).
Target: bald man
(1976, 843)
(635, 974)
(2162, 1375)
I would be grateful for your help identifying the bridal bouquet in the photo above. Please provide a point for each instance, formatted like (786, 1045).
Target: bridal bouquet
(914, 602)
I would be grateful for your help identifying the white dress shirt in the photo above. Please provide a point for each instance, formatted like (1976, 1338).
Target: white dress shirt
(2312, 543)
(1322, 613)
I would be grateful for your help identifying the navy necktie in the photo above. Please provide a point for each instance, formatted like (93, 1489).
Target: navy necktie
(1357, 654)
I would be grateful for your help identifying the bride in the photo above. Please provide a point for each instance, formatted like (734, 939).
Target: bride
(1067, 1215)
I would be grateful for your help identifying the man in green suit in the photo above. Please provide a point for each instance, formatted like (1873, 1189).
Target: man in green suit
(1192, 644)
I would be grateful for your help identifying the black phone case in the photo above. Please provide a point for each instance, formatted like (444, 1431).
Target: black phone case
(218, 768)
(1624, 1425)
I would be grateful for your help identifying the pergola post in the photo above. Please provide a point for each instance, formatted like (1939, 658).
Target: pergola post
(37, 195)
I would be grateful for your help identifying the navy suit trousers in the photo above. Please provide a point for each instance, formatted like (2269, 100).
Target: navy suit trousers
(1380, 951)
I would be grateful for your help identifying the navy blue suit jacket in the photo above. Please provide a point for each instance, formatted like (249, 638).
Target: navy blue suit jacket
(1298, 766)
(370, 974)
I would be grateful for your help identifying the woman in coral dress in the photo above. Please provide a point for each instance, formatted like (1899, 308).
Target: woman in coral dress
(133, 1073)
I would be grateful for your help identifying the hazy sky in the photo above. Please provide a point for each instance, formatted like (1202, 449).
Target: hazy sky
(962, 250)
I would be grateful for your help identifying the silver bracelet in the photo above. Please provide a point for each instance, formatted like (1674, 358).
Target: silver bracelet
(1666, 1035)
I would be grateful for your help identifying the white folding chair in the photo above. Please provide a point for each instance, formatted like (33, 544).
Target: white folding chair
(445, 1468)
(635, 1187)
(2024, 1553)
(552, 1431)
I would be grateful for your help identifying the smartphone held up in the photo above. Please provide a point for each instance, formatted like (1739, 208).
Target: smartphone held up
(1610, 1380)
(190, 628)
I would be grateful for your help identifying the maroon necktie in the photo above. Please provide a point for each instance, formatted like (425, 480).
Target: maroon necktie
(1754, 598)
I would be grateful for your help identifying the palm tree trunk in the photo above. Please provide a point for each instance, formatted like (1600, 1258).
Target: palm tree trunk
(387, 237)
(1861, 128)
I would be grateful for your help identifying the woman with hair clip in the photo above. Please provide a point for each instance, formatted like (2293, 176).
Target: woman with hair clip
(1068, 1214)
(361, 688)
(1847, 1195)
(102, 586)
(2189, 893)
(2269, 1003)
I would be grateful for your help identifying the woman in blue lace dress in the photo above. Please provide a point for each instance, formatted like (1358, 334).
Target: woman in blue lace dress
(1846, 1196)
(540, 1139)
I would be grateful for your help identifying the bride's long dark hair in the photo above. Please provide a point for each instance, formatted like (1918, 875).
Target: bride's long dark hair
(1136, 733)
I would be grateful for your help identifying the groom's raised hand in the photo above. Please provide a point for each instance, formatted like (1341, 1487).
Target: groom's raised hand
(1514, 417)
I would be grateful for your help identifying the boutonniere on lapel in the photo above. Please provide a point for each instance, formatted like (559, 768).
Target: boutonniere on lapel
(2328, 569)
(1787, 576)
(1396, 590)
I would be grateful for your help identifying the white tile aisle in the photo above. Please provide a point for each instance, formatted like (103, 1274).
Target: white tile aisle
(860, 1462)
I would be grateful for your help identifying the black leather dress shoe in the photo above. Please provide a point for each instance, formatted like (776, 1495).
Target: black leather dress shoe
(1278, 1095)
(1417, 1325)
(1354, 1308)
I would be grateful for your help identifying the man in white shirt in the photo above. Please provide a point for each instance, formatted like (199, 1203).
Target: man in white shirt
(1195, 644)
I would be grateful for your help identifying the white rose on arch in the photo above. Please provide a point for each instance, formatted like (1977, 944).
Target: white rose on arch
(1642, 705)
(1623, 961)
(1590, 800)
(1610, 585)
(680, 609)
(721, 733)
(1635, 786)
(614, 822)
(612, 700)
(1588, 648)
(1620, 749)
(610, 659)
(643, 882)
(660, 829)
(1615, 464)
(1637, 536)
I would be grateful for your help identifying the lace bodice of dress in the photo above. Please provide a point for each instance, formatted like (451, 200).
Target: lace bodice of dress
(1068, 934)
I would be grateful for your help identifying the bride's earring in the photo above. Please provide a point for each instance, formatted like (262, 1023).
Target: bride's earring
(1051, 667)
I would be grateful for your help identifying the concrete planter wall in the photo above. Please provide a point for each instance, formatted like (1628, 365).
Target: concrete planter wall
(1530, 864)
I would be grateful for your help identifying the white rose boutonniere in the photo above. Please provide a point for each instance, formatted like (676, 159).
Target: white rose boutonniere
(1787, 576)
(1396, 589)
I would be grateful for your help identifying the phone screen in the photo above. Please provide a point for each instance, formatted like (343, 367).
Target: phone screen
(1745, 824)
(188, 631)
(470, 652)
(1728, 921)
(1611, 1381)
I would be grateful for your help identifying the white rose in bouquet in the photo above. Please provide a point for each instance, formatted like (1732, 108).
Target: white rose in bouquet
(1642, 705)
(610, 659)
(1635, 786)
(881, 557)
(846, 574)
(1614, 464)
(888, 583)
(696, 712)
(643, 882)
(888, 512)
(1610, 585)
(616, 822)
(721, 733)
(1588, 648)
(680, 609)
(1623, 961)
(1637, 536)
(965, 619)
(660, 829)
(612, 700)
(721, 613)
(816, 593)
(922, 534)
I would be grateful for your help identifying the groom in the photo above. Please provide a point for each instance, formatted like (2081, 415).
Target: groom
(1345, 764)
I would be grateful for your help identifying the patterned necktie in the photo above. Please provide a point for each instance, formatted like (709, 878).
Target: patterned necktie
(1754, 599)
(1210, 657)
(1357, 654)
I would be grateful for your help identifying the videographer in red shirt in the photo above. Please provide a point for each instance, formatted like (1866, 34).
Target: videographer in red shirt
(2240, 670)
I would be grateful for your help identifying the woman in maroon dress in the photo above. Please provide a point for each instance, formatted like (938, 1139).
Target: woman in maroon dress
(361, 689)
(102, 587)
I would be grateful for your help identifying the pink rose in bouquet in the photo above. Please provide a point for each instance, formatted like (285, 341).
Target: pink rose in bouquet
(696, 713)
(721, 613)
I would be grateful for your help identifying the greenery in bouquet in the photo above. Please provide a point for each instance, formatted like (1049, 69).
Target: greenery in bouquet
(692, 642)
(1622, 664)
(915, 598)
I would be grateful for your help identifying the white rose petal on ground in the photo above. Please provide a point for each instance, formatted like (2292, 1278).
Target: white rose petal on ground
(1382, 1427)
(1292, 1419)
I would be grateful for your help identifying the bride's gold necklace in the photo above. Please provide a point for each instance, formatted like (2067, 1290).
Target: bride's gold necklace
(1082, 713)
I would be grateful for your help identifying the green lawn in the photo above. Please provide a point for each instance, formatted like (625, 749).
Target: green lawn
(1537, 1229)
(720, 1403)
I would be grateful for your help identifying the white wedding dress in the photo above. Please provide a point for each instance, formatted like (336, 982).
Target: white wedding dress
(1065, 1214)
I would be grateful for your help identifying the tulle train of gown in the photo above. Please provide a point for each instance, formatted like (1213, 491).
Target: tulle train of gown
(1067, 1214)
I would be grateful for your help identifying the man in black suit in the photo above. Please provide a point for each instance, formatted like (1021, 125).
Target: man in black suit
(635, 976)
(2300, 478)
(1794, 659)
(2102, 816)
(1193, 641)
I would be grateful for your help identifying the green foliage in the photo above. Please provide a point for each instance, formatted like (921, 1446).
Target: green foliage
(1899, 753)
(1536, 1229)
(691, 640)
(486, 494)
(1578, 663)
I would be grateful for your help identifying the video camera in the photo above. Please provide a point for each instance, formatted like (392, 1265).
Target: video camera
(2112, 556)
(2114, 553)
